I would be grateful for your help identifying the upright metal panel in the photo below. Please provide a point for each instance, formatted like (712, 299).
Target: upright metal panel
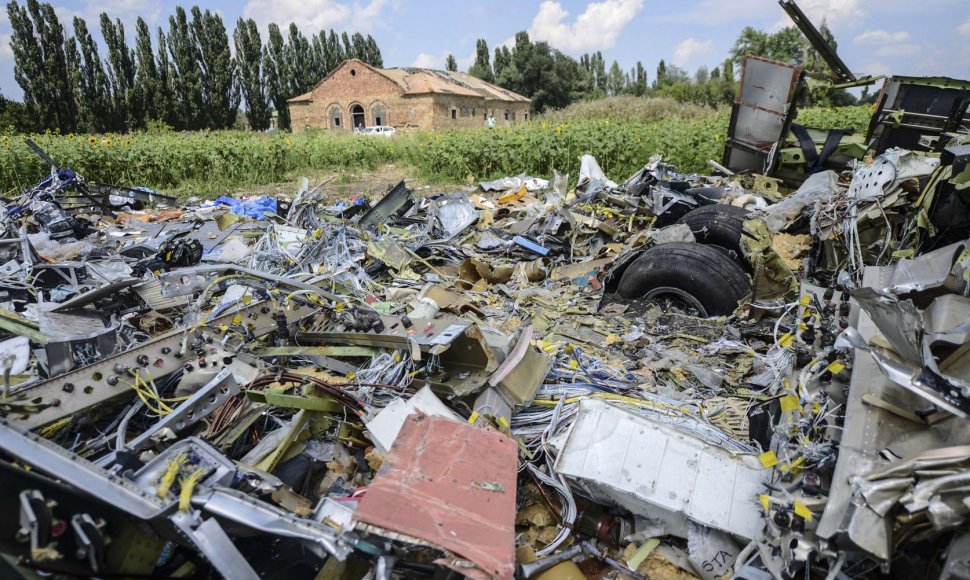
(761, 115)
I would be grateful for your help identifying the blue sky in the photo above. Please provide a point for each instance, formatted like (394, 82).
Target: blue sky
(929, 37)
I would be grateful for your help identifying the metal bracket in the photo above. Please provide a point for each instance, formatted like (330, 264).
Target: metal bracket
(36, 521)
(86, 387)
(91, 541)
(200, 405)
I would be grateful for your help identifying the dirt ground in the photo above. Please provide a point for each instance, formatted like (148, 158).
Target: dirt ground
(350, 184)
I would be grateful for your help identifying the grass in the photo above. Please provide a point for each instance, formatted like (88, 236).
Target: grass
(622, 133)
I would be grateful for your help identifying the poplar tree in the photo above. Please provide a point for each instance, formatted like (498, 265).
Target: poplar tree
(121, 75)
(276, 75)
(248, 58)
(219, 90)
(91, 83)
(41, 66)
(300, 58)
(482, 68)
(148, 91)
(185, 73)
(374, 57)
(167, 77)
(335, 49)
(348, 45)
(360, 47)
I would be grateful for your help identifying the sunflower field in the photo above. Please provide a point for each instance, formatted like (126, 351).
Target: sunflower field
(211, 163)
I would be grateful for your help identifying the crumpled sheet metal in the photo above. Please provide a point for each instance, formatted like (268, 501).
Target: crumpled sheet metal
(945, 267)
(903, 326)
(899, 321)
(452, 485)
(934, 482)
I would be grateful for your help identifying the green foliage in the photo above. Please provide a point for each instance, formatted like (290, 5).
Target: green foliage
(276, 74)
(220, 90)
(626, 108)
(248, 58)
(186, 74)
(91, 83)
(125, 109)
(14, 117)
(482, 68)
(210, 163)
(150, 92)
(855, 117)
(41, 65)
(191, 79)
(451, 64)
(154, 126)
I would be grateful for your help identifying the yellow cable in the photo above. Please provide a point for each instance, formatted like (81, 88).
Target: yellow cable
(188, 484)
(166, 481)
(612, 397)
(162, 410)
(52, 429)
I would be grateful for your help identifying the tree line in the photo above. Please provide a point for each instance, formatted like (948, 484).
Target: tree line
(185, 77)
(553, 80)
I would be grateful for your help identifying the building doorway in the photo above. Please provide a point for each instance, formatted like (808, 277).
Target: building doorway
(357, 117)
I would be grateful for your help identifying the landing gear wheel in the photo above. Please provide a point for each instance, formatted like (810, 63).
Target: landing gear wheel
(719, 225)
(690, 278)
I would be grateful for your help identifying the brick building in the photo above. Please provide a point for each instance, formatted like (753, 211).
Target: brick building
(356, 94)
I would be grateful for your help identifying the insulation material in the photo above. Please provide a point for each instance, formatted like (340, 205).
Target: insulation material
(660, 473)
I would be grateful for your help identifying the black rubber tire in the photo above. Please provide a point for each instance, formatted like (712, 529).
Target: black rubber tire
(718, 225)
(705, 273)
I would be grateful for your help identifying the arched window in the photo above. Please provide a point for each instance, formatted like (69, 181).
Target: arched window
(335, 116)
(378, 112)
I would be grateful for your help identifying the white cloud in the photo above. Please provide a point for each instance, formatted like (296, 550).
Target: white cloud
(596, 28)
(466, 63)
(690, 49)
(315, 15)
(428, 60)
(898, 50)
(709, 12)
(876, 68)
(837, 13)
(965, 28)
(881, 37)
(425, 60)
(126, 10)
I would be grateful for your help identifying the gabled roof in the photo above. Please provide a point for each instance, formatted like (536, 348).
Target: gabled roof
(422, 81)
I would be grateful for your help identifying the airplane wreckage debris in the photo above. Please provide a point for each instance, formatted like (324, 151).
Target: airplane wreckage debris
(763, 373)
